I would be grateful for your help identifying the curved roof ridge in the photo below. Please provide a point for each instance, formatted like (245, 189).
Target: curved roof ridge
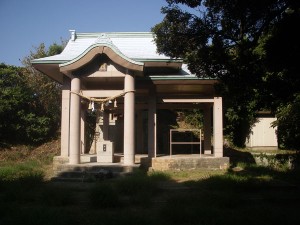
(110, 45)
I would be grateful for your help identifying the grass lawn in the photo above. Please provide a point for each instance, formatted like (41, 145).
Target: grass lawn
(251, 195)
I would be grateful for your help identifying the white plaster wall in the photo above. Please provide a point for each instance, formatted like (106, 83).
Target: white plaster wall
(262, 134)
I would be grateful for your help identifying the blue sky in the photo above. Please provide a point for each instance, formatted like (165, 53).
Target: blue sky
(28, 23)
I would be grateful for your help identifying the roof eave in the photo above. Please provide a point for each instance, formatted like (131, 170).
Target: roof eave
(50, 69)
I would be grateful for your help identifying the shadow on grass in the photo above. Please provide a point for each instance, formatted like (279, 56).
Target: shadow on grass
(116, 200)
(254, 195)
(237, 156)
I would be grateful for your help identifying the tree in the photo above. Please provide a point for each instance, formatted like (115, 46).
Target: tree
(29, 101)
(280, 53)
(47, 90)
(223, 39)
(20, 117)
(288, 115)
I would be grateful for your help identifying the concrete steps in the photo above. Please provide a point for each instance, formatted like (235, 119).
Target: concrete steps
(91, 172)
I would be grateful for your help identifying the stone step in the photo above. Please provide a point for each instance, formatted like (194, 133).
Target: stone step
(86, 177)
(88, 158)
(118, 158)
(89, 169)
(82, 172)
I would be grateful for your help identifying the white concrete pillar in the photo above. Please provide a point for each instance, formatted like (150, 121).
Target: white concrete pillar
(218, 127)
(129, 138)
(152, 121)
(75, 122)
(65, 117)
(207, 129)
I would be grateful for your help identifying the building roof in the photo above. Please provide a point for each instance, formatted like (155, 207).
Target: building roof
(133, 46)
(133, 50)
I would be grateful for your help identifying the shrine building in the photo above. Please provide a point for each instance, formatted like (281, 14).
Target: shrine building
(120, 81)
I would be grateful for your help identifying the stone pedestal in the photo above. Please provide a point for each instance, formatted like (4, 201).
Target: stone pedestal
(105, 152)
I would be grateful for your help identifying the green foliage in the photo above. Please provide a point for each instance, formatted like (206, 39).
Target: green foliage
(241, 44)
(12, 99)
(21, 119)
(55, 49)
(47, 90)
(194, 117)
(29, 101)
(36, 128)
(26, 171)
(158, 176)
(288, 117)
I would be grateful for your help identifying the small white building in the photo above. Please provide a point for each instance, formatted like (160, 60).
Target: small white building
(263, 134)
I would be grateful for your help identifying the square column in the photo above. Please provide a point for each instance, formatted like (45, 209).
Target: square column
(218, 127)
(75, 120)
(65, 117)
(129, 137)
(152, 124)
(207, 128)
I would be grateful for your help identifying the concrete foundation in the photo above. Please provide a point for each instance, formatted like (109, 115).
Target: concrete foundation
(186, 163)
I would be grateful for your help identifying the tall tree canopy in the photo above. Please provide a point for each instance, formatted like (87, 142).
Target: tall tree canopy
(244, 44)
(47, 90)
(22, 118)
(29, 101)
